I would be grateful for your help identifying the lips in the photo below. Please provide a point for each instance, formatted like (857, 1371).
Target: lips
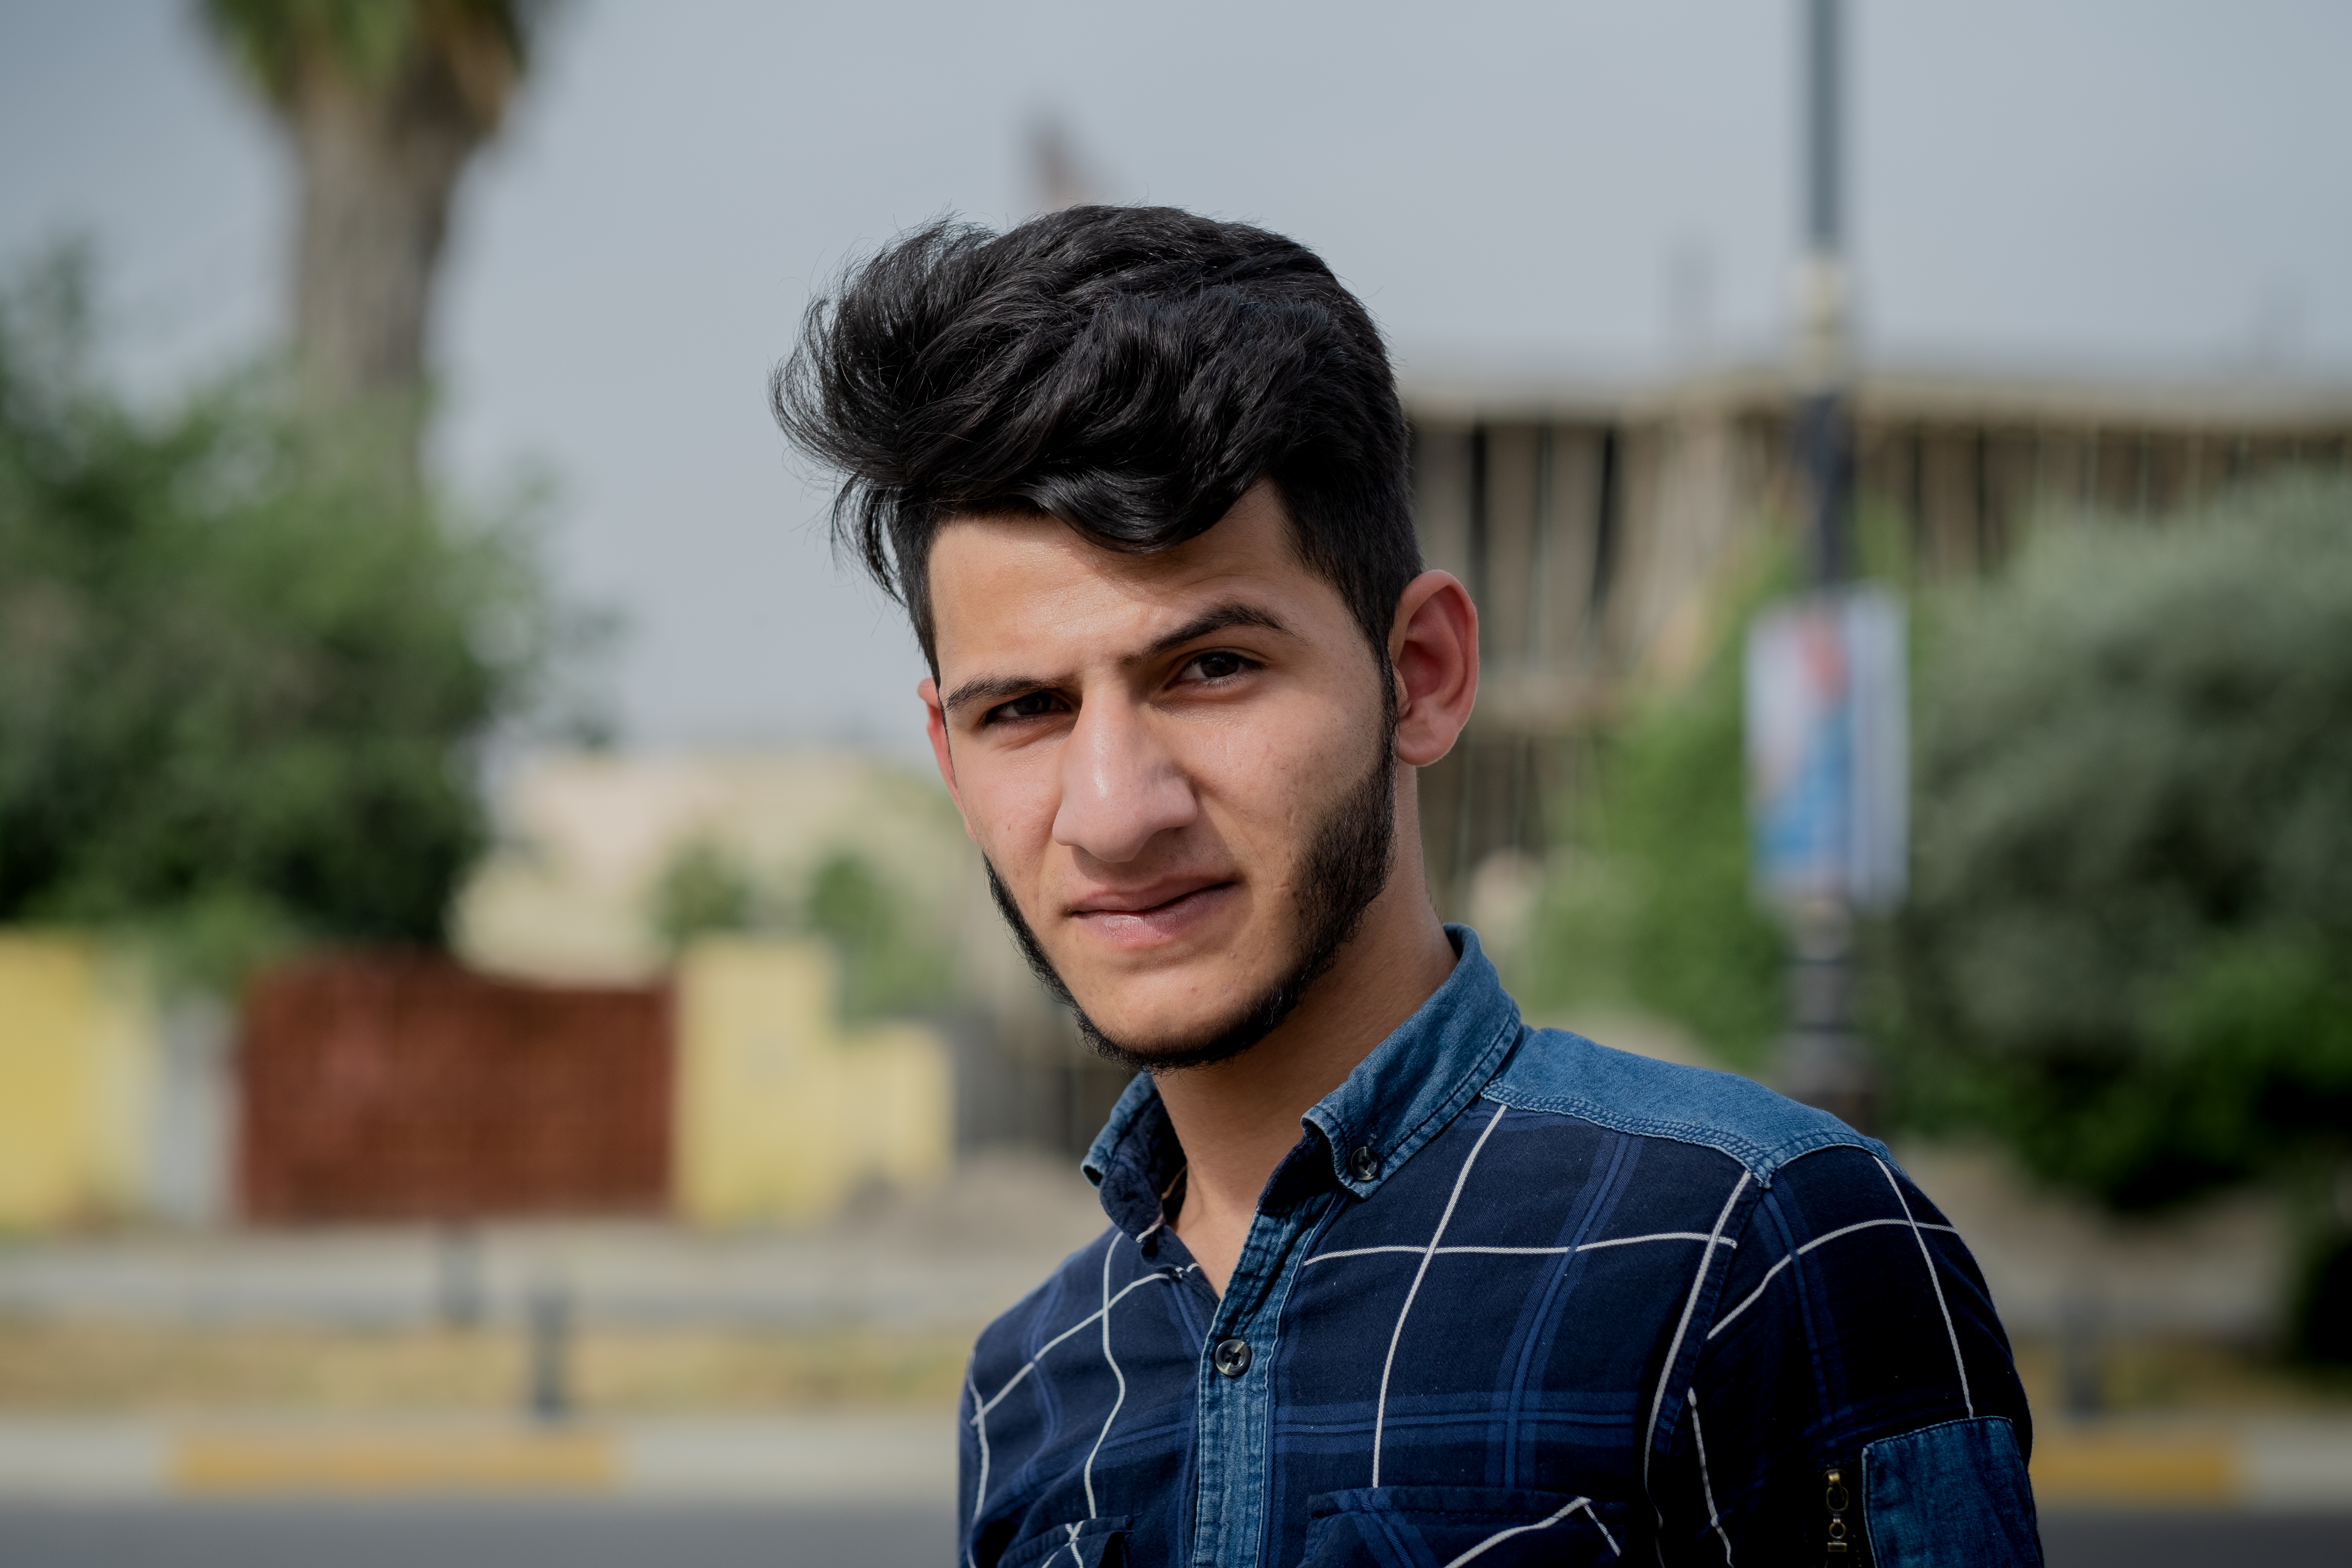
(1146, 917)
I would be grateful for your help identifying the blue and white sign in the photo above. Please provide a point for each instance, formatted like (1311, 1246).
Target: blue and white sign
(1829, 749)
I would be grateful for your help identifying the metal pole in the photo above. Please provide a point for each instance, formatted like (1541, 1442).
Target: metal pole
(1825, 446)
(1821, 1058)
(548, 1315)
(1824, 197)
(459, 1276)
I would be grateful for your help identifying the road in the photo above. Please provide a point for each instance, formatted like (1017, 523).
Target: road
(502, 1534)
(630, 1534)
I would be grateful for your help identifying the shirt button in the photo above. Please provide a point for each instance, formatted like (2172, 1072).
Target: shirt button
(1364, 1163)
(1230, 1357)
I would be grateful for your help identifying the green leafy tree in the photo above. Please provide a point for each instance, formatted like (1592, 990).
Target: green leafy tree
(888, 966)
(1648, 904)
(2129, 951)
(702, 891)
(241, 684)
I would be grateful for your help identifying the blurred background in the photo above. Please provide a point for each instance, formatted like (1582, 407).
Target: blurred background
(505, 1052)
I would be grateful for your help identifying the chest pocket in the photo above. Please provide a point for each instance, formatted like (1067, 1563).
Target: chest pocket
(1097, 1544)
(1437, 1527)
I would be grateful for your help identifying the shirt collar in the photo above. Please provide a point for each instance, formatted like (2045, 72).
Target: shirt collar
(1411, 1086)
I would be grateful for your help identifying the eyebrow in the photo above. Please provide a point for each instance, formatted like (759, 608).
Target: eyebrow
(995, 688)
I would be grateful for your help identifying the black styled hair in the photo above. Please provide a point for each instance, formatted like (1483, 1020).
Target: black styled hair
(1130, 371)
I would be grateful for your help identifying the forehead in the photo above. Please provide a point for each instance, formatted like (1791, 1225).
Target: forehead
(1015, 586)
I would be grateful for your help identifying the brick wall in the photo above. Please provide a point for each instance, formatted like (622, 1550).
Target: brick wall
(401, 1086)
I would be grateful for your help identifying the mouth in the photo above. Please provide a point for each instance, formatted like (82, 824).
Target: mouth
(1150, 916)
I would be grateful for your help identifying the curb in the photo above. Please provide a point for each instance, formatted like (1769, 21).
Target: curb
(2278, 1464)
(850, 1458)
(864, 1457)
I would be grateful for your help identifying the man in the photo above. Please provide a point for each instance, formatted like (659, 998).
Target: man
(1390, 1278)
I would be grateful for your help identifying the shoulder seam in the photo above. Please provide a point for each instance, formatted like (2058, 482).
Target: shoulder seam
(1762, 1161)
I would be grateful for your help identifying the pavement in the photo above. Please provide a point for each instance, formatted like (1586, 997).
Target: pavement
(908, 1459)
(507, 1533)
(569, 1534)
(865, 1490)
(850, 1458)
(953, 1257)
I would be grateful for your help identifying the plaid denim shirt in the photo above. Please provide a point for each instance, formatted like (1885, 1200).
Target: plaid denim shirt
(1517, 1298)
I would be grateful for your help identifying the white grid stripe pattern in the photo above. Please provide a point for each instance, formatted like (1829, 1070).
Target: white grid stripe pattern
(1031, 1365)
(1380, 1411)
(1435, 1248)
(980, 1492)
(1705, 1481)
(1574, 1505)
(1750, 1299)
(1682, 1327)
(1936, 1283)
(1522, 1251)
(1089, 1475)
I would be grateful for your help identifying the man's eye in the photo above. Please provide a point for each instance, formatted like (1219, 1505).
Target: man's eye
(1218, 666)
(1036, 704)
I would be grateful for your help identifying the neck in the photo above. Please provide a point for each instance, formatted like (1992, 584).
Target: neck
(1236, 1119)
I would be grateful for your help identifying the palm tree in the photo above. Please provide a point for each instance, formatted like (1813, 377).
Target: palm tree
(385, 100)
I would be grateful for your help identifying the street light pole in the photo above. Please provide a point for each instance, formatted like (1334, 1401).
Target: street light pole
(1825, 442)
(1821, 1058)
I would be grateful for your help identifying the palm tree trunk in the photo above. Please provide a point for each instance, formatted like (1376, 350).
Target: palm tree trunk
(378, 173)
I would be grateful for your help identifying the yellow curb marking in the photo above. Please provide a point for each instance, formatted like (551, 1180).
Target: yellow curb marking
(391, 1462)
(2136, 1471)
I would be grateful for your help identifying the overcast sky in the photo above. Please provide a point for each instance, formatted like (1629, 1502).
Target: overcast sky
(2111, 185)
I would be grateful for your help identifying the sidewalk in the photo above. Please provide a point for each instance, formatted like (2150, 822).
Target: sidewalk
(2277, 1463)
(850, 1458)
(951, 1257)
(873, 1458)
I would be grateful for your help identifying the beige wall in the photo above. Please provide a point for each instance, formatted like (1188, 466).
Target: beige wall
(78, 1055)
(782, 1114)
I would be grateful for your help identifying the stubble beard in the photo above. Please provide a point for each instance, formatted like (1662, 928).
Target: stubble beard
(1346, 866)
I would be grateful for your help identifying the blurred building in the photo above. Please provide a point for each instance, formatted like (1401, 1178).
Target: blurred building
(1597, 527)
(573, 892)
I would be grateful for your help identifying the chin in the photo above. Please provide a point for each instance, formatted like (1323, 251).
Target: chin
(1170, 1040)
(1152, 1033)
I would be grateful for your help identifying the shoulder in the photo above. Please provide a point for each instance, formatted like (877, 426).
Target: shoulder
(1567, 1075)
(1067, 1296)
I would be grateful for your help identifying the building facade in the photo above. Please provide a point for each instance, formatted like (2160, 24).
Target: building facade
(1603, 531)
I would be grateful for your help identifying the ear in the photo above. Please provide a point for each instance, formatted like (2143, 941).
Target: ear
(935, 720)
(1433, 645)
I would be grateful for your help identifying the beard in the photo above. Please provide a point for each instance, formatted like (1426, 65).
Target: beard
(1345, 864)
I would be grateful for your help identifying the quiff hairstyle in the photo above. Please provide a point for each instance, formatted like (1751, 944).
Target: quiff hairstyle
(1129, 371)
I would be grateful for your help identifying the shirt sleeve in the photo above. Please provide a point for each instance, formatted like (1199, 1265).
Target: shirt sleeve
(1853, 1388)
(970, 1462)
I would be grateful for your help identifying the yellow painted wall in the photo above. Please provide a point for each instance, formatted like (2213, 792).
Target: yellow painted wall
(78, 1073)
(781, 1113)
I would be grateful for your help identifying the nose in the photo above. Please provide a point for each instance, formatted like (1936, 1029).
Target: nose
(1122, 787)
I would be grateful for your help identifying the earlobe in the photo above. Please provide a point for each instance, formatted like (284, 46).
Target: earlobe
(935, 722)
(1434, 647)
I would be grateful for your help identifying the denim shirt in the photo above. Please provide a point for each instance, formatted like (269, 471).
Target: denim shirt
(1515, 1296)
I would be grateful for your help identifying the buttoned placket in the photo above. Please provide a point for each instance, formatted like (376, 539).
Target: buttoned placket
(1235, 1400)
(1354, 1139)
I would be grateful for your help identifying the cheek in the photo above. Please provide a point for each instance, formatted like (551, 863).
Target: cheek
(1009, 802)
(1270, 779)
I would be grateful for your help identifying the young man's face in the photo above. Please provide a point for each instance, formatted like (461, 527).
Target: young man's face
(1178, 765)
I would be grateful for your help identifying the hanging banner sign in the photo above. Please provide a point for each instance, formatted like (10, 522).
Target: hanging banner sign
(1829, 745)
